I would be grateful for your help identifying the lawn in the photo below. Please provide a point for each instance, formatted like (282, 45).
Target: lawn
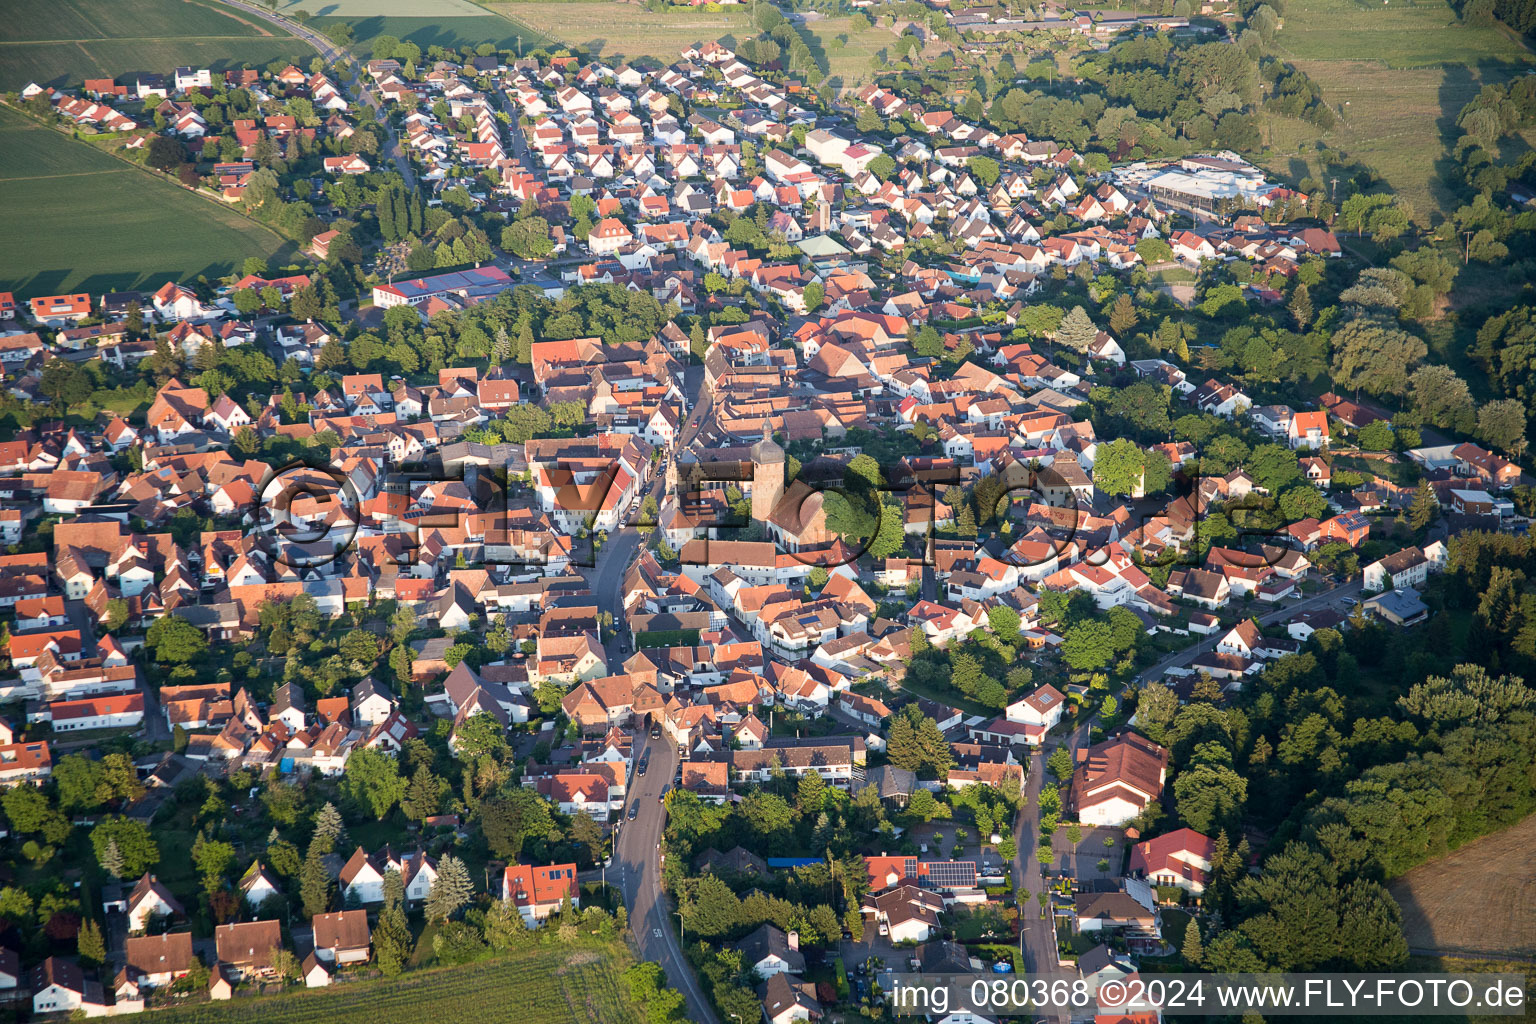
(621, 29)
(1478, 901)
(849, 54)
(544, 985)
(1398, 74)
(93, 223)
(61, 42)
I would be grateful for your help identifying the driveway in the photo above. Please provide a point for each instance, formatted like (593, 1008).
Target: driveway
(856, 951)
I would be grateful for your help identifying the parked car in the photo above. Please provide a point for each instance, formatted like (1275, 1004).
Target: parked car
(634, 809)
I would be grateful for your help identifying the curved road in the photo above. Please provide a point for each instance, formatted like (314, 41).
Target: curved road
(357, 84)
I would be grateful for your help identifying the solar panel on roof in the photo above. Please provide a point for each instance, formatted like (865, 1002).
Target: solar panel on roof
(950, 874)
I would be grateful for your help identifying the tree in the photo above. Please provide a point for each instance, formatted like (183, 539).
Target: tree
(528, 238)
(1442, 398)
(81, 783)
(1123, 316)
(424, 797)
(1302, 502)
(811, 793)
(212, 858)
(175, 641)
(112, 860)
(64, 382)
(1425, 507)
(713, 909)
(89, 943)
(985, 169)
(923, 805)
(814, 293)
(373, 781)
(315, 881)
(1502, 424)
(504, 926)
(1077, 331)
(15, 905)
(329, 826)
(165, 153)
(1376, 436)
(1088, 646)
(1060, 763)
(450, 891)
(134, 843)
(916, 744)
(1210, 797)
(481, 734)
(1193, 951)
(585, 831)
(1119, 468)
(121, 778)
(392, 935)
(1301, 307)
(1004, 623)
(1374, 357)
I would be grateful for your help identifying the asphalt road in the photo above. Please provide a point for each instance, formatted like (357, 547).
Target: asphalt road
(1037, 930)
(637, 861)
(606, 578)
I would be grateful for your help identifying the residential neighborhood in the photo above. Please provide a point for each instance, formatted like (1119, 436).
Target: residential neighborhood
(800, 538)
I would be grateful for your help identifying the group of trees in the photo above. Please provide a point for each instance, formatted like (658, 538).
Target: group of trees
(866, 517)
(501, 330)
(1142, 97)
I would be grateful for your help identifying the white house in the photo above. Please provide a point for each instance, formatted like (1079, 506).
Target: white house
(1042, 708)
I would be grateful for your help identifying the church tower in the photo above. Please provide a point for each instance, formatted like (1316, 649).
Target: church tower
(767, 475)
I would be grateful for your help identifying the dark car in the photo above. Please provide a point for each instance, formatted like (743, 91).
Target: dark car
(655, 732)
(634, 809)
(642, 767)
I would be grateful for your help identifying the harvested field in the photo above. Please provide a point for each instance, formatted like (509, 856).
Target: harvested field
(1478, 901)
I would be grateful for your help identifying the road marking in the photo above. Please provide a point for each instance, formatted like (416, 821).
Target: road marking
(656, 932)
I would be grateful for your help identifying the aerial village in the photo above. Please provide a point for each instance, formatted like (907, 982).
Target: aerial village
(848, 459)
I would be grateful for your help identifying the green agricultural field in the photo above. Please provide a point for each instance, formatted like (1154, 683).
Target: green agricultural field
(63, 42)
(92, 223)
(382, 8)
(614, 29)
(1398, 74)
(450, 32)
(544, 985)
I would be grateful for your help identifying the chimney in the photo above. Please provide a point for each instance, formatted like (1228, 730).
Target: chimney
(794, 941)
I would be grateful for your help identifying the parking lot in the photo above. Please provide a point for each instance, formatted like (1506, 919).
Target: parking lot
(1083, 864)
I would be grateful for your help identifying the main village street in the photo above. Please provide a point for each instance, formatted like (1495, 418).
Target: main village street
(636, 862)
